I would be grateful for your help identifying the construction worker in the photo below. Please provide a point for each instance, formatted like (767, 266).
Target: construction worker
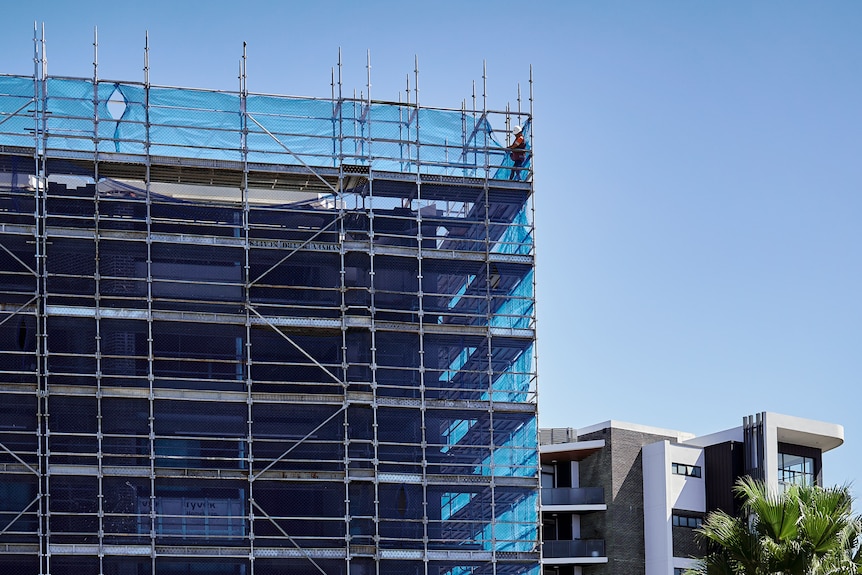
(518, 149)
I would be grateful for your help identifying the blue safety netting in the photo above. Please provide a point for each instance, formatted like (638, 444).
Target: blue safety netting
(17, 122)
(75, 115)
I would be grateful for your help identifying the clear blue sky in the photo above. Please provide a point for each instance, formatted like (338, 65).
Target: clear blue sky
(698, 184)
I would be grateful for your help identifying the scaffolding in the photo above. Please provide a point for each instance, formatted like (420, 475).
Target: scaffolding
(249, 334)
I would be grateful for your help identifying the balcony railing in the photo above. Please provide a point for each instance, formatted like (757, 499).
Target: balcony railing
(573, 496)
(575, 548)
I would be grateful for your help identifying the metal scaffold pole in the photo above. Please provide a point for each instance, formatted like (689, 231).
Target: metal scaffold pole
(246, 348)
(97, 284)
(151, 518)
(40, 114)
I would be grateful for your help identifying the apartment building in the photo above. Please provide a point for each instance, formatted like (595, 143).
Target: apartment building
(624, 498)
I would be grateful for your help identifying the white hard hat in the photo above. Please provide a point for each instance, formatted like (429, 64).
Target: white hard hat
(517, 129)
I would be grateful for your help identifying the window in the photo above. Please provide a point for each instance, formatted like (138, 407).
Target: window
(687, 470)
(795, 470)
(687, 521)
(683, 469)
(548, 476)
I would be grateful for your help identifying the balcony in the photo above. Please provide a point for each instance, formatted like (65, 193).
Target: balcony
(576, 551)
(568, 496)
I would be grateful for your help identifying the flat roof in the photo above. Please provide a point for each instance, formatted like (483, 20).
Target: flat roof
(615, 424)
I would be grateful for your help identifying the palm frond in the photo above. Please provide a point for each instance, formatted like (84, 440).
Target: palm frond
(776, 514)
(806, 530)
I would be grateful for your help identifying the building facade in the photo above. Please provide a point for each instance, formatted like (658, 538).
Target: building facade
(248, 334)
(633, 495)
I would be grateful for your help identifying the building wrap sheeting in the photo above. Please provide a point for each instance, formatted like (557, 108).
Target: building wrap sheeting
(181, 122)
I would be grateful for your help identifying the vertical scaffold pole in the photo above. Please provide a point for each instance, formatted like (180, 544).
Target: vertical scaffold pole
(355, 151)
(39, 241)
(36, 62)
(418, 108)
(521, 174)
(463, 159)
(334, 118)
(42, 178)
(339, 107)
(519, 102)
(535, 364)
(484, 86)
(96, 107)
(400, 132)
(97, 300)
(488, 320)
(532, 132)
(408, 122)
(44, 98)
(368, 106)
(340, 120)
(44, 80)
(485, 113)
(243, 104)
(337, 116)
(421, 317)
(475, 143)
(377, 285)
(150, 351)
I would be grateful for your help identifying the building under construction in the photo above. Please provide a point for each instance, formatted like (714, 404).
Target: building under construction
(248, 334)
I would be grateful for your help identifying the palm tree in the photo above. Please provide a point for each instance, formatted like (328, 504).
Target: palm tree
(806, 530)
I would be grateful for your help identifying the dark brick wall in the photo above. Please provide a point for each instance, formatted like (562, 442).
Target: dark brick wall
(618, 469)
(685, 542)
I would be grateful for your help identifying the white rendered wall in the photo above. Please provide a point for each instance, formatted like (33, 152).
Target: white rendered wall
(777, 428)
(796, 430)
(770, 454)
(658, 545)
(576, 519)
(687, 492)
(663, 492)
